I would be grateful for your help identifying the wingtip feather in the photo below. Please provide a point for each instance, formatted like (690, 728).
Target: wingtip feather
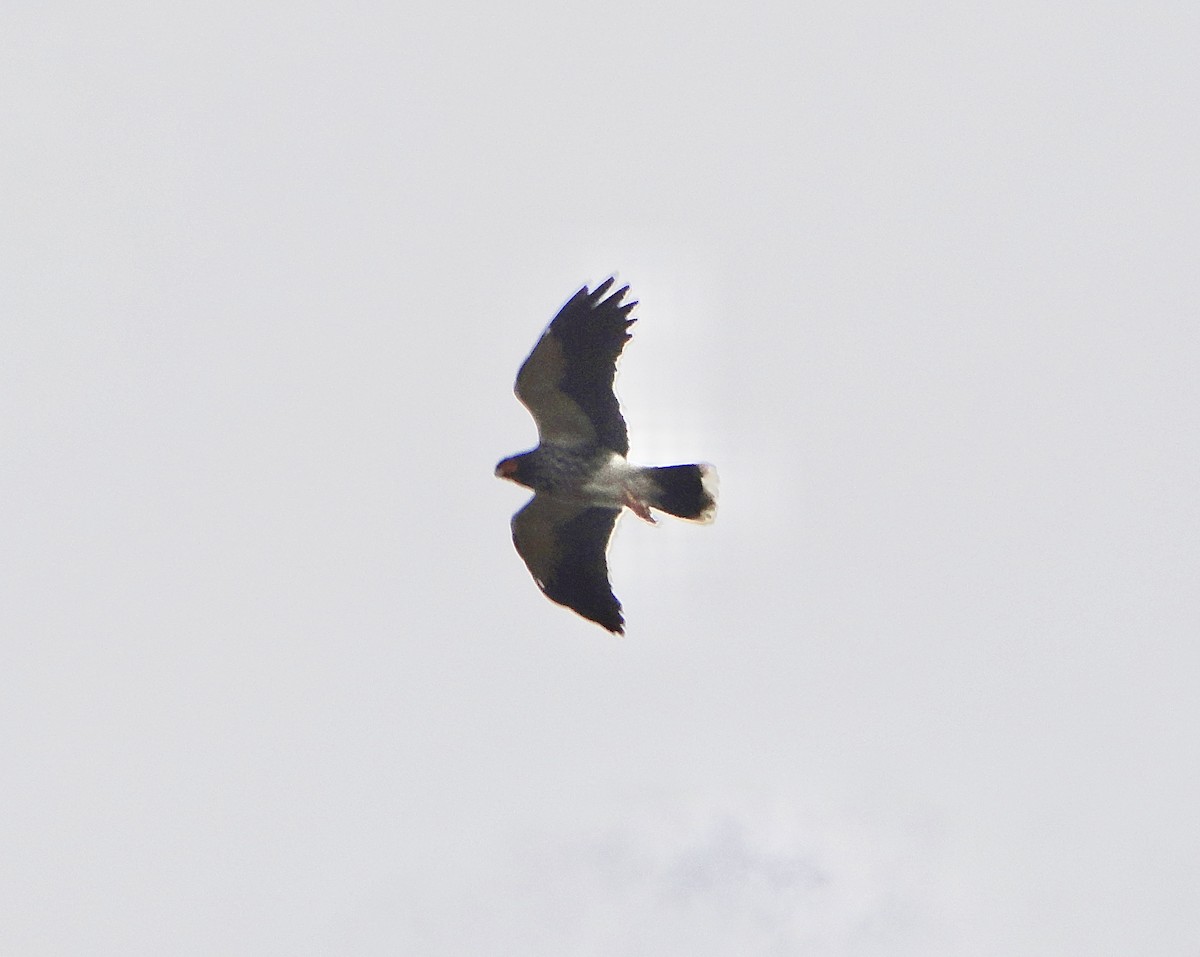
(601, 289)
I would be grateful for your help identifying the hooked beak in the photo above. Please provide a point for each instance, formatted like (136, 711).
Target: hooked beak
(506, 469)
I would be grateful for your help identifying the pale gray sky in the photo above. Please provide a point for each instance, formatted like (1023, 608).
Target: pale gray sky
(921, 281)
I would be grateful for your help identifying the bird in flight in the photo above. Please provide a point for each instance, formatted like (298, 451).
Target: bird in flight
(579, 473)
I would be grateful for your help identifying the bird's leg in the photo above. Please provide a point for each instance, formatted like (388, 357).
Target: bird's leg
(638, 507)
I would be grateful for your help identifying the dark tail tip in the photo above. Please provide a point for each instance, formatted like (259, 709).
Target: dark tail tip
(686, 491)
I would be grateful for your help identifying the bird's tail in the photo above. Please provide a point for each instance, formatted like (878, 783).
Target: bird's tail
(687, 491)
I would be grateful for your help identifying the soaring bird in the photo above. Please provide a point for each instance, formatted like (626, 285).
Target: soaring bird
(579, 473)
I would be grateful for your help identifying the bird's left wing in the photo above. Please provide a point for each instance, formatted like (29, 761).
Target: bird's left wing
(567, 381)
(564, 546)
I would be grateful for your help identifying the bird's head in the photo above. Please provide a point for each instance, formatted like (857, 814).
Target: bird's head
(510, 468)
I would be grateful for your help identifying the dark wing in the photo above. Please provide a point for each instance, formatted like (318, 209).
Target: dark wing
(567, 381)
(564, 546)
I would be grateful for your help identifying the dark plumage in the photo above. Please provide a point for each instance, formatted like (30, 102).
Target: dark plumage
(579, 474)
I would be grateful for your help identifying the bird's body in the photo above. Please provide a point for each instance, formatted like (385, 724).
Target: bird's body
(579, 472)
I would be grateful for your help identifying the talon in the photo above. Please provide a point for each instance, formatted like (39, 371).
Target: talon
(639, 508)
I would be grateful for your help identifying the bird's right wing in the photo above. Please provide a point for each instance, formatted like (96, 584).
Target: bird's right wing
(564, 546)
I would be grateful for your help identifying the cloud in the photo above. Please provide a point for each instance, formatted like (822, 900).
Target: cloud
(718, 881)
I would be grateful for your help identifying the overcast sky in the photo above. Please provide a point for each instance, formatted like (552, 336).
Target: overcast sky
(921, 280)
